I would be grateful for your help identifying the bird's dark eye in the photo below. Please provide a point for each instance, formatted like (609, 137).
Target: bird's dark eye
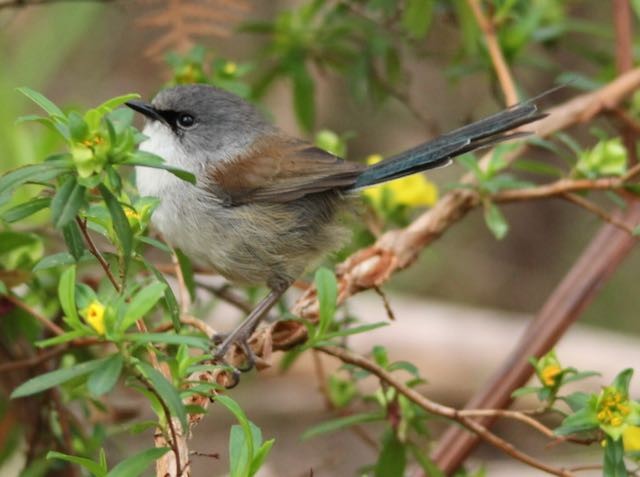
(185, 120)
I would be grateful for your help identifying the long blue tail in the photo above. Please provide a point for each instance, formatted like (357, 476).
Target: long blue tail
(439, 151)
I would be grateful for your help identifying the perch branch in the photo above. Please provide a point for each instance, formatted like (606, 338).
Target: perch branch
(96, 253)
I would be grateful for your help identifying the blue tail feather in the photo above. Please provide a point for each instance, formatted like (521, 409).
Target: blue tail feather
(439, 151)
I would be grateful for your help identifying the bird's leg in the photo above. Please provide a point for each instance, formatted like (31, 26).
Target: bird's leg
(240, 335)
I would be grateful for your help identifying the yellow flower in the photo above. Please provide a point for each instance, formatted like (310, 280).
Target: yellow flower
(131, 213)
(631, 439)
(613, 407)
(230, 68)
(94, 315)
(412, 191)
(549, 373)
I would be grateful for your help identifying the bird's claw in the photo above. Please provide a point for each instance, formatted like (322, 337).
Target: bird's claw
(222, 344)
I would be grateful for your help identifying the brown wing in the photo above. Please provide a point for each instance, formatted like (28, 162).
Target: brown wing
(280, 169)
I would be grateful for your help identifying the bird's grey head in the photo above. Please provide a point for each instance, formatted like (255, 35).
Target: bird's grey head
(198, 121)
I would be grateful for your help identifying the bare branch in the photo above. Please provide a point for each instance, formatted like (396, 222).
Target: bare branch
(444, 411)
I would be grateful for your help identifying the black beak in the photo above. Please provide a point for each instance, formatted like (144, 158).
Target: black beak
(146, 110)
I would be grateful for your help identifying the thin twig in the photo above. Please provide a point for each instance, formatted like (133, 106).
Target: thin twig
(440, 410)
(169, 418)
(497, 58)
(225, 293)
(597, 210)
(50, 325)
(321, 378)
(559, 188)
(385, 302)
(183, 293)
(96, 253)
(48, 354)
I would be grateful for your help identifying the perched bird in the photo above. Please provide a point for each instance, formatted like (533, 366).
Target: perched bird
(265, 205)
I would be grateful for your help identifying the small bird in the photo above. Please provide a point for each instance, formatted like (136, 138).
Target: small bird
(266, 205)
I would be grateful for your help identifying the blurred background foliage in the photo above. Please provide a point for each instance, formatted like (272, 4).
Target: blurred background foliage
(370, 77)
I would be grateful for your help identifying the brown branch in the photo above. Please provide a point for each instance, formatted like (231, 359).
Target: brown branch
(321, 378)
(599, 211)
(441, 410)
(495, 52)
(225, 293)
(96, 253)
(48, 354)
(183, 293)
(50, 325)
(160, 439)
(558, 188)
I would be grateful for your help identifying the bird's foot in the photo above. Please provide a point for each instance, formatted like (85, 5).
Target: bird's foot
(223, 343)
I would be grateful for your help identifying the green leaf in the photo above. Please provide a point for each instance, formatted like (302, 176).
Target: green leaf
(353, 330)
(67, 296)
(569, 378)
(303, 96)
(576, 401)
(417, 17)
(613, 465)
(77, 127)
(105, 377)
(63, 338)
(135, 465)
(169, 297)
(55, 378)
(261, 456)
(142, 303)
(25, 209)
(41, 101)
(73, 239)
(96, 469)
(239, 466)
(55, 260)
(429, 467)
(33, 172)
(146, 159)
(537, 167)
(469, 162)
(120, 222)
(327, 288)
(69, 199)
(495, 220)
(523, 391)
(167, 392)
(187, 273)
(113, 103)
(241, 447)
(342, 422)
(392, 460)
(583, 420)
(622, 380)
(167, 338)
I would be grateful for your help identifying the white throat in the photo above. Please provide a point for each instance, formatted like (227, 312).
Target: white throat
(161, 142)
